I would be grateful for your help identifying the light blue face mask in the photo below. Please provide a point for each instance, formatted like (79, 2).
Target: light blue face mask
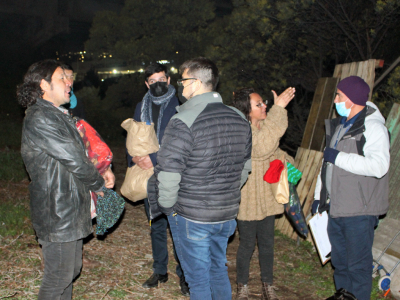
(72, 101)
(342, 110)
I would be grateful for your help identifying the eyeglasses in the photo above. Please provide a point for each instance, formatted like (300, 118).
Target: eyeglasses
(262, 103)
(180, 81)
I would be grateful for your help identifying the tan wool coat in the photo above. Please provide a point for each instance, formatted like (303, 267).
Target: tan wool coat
(257, 200)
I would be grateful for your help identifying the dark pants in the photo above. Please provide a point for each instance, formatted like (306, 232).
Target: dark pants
(159, 244)
(249, 231)
(62, 263)
(351, 239)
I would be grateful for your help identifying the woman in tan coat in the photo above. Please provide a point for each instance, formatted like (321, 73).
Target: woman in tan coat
(258, 207)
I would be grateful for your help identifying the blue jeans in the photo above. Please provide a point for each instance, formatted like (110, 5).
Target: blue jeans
(159, 244)
(201, 249)
(351, 239)
(62, 263)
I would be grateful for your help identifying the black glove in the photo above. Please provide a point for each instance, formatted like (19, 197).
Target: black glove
(330, 155)
(314, 207)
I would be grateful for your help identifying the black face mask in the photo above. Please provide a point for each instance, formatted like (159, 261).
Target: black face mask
(159, 88)
(180, 95)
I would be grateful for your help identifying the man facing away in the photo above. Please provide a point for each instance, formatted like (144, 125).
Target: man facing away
(61, 176)
(203, 161)
(158, 106)
(353, 184)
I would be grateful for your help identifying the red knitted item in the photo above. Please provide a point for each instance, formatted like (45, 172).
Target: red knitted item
(273, 174)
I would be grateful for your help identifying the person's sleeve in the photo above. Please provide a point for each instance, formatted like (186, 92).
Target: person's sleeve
(136, 117)
(57, 142)
(247, 165)
(266, 140)
(376, 159)
(172, 159)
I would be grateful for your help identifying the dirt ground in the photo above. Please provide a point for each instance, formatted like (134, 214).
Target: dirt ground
(125, 261)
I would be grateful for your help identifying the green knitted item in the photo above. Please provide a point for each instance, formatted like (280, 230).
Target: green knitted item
(294, 175)
(109, 208)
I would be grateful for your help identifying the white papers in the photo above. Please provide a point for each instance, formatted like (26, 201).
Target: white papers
(318, 225)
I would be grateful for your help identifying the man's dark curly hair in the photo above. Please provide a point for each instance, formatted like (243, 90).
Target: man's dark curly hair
(241, 100)
(30, 90)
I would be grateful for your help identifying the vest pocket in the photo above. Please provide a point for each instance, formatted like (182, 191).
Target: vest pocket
(362, 196)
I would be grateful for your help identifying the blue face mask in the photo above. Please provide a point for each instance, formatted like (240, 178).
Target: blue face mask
(72, 101)
(342, 110)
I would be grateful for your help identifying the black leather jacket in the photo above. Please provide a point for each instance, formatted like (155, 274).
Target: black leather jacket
(61, 174)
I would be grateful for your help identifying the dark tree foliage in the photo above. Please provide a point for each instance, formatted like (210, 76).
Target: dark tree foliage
(151, 30)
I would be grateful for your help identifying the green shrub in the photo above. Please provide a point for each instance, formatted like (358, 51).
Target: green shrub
(14, 219)
(11, 166)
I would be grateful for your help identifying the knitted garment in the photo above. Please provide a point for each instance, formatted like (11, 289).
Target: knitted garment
(294, 175)
(257, 200)
(274, 172)
(109, 208)
(146, 114)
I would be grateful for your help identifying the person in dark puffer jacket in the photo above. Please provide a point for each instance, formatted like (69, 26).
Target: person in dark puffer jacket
(204, 159)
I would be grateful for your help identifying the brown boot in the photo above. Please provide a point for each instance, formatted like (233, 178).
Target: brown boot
(268, 292)
(242, 292)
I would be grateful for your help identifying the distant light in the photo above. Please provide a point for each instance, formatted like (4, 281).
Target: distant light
(115, 71)
(80, 52)
(172, 69)
(141, 71)
(177, 52)
(102, 80)
(84, 52)
(110, 55)
(58, 58)
(163, 62)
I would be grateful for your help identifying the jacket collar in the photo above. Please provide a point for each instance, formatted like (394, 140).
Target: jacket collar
(205, 98)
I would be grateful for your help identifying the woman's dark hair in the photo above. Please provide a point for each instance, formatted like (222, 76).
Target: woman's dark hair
(30, 90)
(155, 68)
(241, 100)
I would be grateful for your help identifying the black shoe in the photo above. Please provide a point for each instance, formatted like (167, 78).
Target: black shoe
(342, 294)
(154, 280)
(184, 287)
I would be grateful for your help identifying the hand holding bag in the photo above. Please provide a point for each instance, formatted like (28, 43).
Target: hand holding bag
(141, 140)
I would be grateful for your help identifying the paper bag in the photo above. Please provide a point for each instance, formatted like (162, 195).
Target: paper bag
(135, 184)
(280, 189)
(141, 139)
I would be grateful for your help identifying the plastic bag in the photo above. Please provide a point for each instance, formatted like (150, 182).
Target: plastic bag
(97, 150)
(141, 140)
(294, 212)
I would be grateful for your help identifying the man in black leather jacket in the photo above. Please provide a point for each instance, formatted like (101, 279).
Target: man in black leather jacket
(61, 176)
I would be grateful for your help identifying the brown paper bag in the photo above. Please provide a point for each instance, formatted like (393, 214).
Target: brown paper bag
(135, 184)
(140, 141)
(280, 189)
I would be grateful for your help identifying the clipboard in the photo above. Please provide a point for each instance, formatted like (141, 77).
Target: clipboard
(318, 226)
